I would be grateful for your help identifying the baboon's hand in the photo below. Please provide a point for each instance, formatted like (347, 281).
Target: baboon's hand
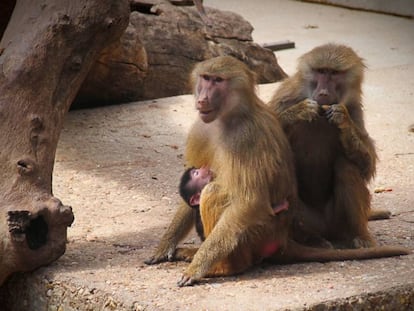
(186, 280)
(154, 260)
(162, 254)
(307, 110)
(338, 115)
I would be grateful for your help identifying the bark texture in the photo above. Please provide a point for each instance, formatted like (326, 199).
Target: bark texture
(46, 52)
(160, 47)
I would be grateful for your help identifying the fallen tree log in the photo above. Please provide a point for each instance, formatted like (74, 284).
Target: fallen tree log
(160, 47)
(46, 52)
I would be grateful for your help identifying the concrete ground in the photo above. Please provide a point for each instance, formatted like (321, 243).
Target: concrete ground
(119, 166)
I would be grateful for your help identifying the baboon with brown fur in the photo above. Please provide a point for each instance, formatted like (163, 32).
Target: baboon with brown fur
(320, 108)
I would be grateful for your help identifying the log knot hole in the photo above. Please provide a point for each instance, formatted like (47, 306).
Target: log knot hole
(22, 226)
(25, 167)
(109, 22)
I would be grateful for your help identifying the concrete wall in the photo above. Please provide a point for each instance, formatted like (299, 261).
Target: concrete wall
(397, 7)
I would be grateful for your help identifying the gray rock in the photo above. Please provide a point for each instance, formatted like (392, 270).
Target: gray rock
(161, 45)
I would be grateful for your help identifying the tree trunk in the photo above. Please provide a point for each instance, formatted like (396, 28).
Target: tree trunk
(46, 51)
